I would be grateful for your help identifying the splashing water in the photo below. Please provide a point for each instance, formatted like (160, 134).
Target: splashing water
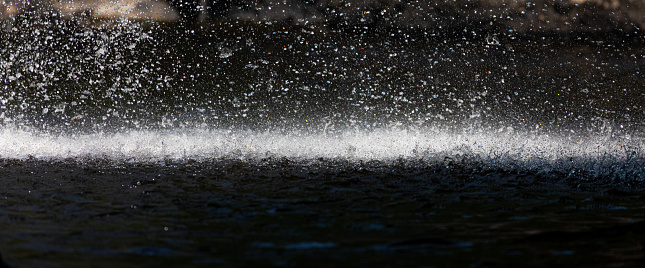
(288, 132)
(589, 157)
(123, 90)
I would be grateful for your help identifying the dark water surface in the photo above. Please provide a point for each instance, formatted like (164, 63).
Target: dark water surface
(320, 213)
(272, 145)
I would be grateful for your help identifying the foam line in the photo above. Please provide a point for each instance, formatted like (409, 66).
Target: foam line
(374, 145)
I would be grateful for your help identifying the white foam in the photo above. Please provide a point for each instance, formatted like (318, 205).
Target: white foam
(374, 145)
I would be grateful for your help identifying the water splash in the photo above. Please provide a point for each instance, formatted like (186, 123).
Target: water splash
(515, 153)
(53, 69)
(129, 91)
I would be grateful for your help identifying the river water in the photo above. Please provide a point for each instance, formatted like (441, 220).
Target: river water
(240, 144)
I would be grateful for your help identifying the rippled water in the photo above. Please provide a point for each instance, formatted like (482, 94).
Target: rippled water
(207, 145)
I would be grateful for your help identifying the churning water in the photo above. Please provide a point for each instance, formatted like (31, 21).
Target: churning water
(147, 93)
(585, 158)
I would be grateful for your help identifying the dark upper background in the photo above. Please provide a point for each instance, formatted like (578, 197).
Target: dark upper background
(446, 17)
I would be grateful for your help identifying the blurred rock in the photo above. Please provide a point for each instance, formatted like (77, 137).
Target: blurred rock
(10, 8)
(444, 16)
(525, 16)
(151, 10)
(568, 15)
